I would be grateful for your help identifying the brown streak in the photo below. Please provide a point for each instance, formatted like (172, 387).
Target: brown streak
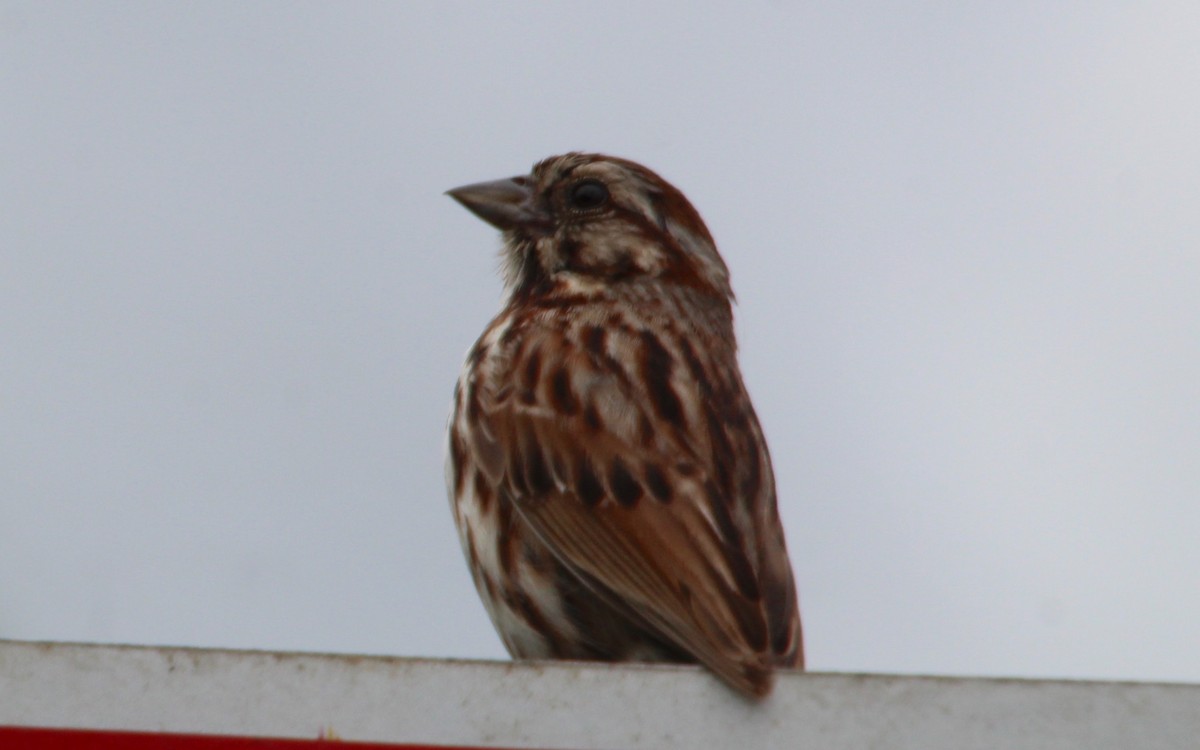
(533, 368)
(537, 474)
(731, 537)
(657, 365)
(587, 485)
(591, 417)
(594, 341)
(624, 488)
(560, 388)
(657, 482)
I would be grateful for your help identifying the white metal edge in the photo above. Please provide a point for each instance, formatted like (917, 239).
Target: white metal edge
(568, 705)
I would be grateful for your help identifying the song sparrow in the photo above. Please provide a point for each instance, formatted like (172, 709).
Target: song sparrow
(608, 476)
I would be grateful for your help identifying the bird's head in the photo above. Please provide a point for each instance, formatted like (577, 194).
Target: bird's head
(585, 223)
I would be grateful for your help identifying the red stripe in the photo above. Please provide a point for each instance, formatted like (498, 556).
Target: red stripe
(27, 738)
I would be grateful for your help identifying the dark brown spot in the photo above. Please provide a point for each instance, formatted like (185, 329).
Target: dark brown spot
(594, 340)
(656, 370)
(560, 387)
(591, 416)
(587, 485)
(657, 482)
(529, 381)
(568, 251)
(537, 475)
(625, 489)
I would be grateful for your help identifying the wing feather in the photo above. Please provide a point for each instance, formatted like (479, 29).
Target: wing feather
(634, 505)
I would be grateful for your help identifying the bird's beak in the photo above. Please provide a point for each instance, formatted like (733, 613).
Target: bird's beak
(505, 204)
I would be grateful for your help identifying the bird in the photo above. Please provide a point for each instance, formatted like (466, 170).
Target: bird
(608, 476)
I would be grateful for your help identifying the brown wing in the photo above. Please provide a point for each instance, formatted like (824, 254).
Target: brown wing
(635, 495)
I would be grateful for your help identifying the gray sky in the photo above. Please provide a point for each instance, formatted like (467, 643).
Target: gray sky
(234, 301)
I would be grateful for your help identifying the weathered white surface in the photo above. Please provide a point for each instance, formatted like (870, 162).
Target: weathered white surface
(570, 705)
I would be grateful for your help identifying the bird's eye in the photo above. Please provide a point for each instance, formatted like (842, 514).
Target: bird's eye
(587, 195)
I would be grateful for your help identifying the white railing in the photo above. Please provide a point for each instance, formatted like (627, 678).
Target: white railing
(561, 705)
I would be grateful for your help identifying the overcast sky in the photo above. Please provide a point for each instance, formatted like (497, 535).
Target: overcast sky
(965, 242)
